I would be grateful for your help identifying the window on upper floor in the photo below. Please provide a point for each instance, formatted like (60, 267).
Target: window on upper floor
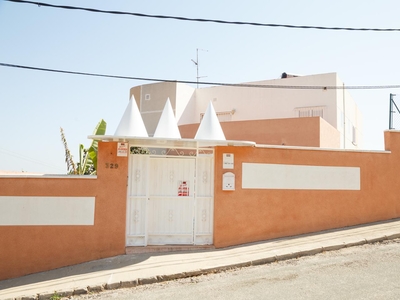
(354, 136)
(310, 111)
(223, 116)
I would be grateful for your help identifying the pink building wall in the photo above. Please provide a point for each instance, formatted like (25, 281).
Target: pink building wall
(307, 132)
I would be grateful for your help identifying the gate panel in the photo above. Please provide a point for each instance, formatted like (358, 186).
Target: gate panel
(171, 211)
(171, 220)
(137, 200)
(166, 174)
(170, 200)
(204, 201)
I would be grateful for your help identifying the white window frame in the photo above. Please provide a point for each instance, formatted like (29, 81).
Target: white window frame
(309, 111)
(223, 116)
(354, 136)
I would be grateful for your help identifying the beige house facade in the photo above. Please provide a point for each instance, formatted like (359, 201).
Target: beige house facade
(267, 112)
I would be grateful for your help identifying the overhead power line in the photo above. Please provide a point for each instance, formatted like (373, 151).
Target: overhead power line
(200, 20)
(30, 159)
(246, 85)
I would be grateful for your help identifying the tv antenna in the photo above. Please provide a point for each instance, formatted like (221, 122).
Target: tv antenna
(196, 62)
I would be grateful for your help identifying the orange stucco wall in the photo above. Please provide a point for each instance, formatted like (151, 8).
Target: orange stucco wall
(248, 215)
(240, 216)
(29, 249)
(288, 131)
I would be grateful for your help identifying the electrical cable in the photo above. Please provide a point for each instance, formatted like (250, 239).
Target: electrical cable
(246, 85)
(201, 20)
(29, 159)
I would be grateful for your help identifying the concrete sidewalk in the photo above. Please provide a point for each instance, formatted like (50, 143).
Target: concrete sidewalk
(144, 268)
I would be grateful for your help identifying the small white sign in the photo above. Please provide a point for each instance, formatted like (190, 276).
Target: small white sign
(227, 161)
(122, 149)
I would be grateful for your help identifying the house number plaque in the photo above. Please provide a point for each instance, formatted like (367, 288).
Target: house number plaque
(111, 166)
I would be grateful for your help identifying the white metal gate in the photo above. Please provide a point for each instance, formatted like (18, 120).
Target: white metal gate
(170, 200)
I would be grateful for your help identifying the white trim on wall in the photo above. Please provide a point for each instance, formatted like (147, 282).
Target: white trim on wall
(34, 211)
(288, 177)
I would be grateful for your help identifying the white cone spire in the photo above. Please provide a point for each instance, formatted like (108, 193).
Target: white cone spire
(131, 123)
(210, 128)
(167, 126)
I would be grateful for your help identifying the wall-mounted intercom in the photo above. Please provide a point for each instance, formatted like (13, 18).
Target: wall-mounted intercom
(228, 161)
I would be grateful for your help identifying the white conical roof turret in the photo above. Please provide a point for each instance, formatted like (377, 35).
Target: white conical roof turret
(210, 128)
(131, 123)
(167, 126)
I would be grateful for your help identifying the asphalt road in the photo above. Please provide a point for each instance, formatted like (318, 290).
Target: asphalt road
(371, 271)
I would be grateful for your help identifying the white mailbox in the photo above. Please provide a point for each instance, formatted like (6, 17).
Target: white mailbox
(228, 181)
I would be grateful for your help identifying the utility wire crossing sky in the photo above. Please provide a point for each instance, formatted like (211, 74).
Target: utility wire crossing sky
(269, 86)
(200, 20)
(70, 66)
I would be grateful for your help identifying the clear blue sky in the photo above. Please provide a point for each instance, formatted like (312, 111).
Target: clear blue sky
(34, 105)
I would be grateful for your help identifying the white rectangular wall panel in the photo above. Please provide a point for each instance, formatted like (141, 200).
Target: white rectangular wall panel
(279, 176)
(33, 211)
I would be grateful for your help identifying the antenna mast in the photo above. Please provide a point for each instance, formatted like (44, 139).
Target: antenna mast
(196, 62)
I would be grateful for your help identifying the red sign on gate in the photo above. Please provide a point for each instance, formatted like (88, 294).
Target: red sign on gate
(183, 189)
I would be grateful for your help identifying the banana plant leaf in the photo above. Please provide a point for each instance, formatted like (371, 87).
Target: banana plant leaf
(87, 164)
(91, 155)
